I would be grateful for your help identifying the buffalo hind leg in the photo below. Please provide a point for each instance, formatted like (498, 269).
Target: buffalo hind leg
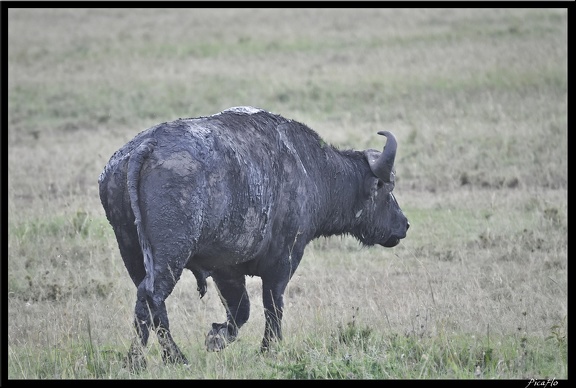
(135, 360)
(232, 289)
(150, 313)
(170, 351)
(165, 280)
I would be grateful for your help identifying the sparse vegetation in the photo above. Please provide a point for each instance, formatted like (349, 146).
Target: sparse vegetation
(477, 100)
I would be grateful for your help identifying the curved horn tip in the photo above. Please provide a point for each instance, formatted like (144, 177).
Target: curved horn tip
(384, 165)
(386, 133)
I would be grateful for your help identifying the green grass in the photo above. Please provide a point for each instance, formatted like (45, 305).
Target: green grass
(477, 100)
(349, 352)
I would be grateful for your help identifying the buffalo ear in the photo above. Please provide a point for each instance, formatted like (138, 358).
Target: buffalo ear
(372, 157)
(382, 163)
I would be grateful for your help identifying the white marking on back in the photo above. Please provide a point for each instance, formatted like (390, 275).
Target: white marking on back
(243, 109)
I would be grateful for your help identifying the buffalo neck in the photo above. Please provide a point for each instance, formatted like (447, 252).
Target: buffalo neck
(344, 193)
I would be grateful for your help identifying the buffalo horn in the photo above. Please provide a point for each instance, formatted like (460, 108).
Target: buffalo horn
(382, 167)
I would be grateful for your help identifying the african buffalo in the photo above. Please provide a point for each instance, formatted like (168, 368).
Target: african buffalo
(241, 192)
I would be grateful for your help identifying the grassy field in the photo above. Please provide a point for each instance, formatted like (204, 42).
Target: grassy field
(477, 99)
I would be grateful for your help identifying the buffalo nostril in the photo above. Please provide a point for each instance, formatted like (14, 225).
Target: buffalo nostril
(407, 225)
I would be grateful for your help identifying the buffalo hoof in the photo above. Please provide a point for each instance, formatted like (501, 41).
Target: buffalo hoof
(173, 355)
(135, 361)
(219, 337)
(267, 346)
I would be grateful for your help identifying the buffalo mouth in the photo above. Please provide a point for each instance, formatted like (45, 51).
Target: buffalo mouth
(391, 242)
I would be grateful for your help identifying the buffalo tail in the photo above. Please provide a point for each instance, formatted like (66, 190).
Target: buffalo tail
(135, 162)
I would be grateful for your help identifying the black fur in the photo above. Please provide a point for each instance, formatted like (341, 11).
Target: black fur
(238, 193)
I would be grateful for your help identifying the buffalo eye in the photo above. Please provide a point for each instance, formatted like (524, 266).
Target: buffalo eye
(380, 184)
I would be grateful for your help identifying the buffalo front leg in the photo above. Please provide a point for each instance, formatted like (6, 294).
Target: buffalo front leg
(273, 310)
(232, 289)
(274, 284)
